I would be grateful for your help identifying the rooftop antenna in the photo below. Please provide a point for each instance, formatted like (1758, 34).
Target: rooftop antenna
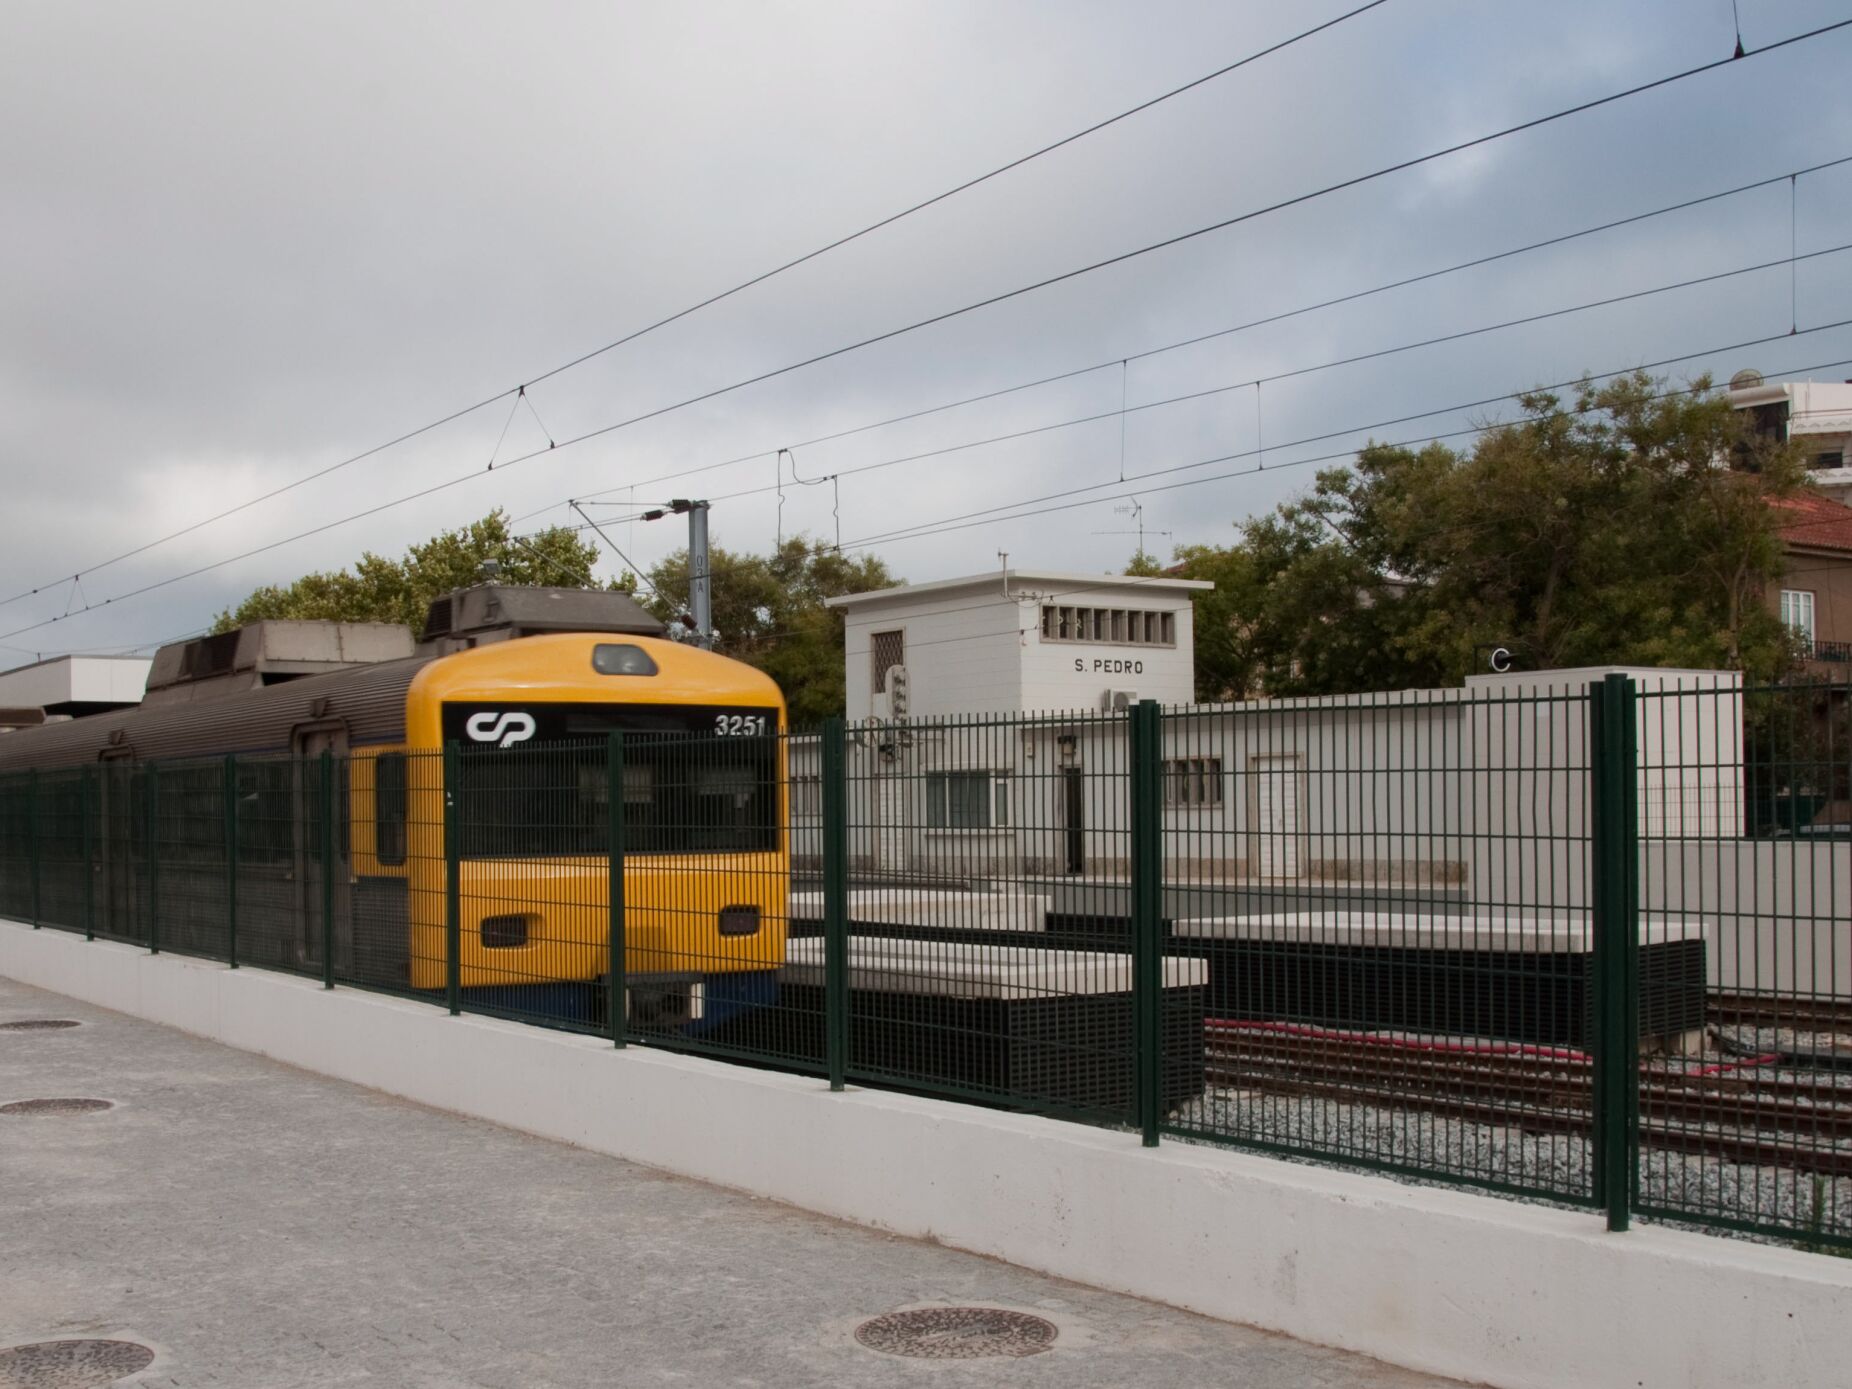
(1003, 563)
(1137, 512)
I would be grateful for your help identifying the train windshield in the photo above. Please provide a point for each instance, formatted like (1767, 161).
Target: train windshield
(534, 779)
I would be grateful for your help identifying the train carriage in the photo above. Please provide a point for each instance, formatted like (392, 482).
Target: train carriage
(483, 758)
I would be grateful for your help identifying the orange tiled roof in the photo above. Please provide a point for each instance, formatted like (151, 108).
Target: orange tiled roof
(1815, 522)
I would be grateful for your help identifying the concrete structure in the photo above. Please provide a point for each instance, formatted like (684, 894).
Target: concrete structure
(1018, 641)
(1815, 413)
(268, 653)
(1444, 1280)
(72, 686)
(260, 1226)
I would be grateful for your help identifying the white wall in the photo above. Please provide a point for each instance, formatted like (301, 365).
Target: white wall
(1445, 1281)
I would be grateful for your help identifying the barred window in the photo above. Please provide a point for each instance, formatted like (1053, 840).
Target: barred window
(1119, 626)
(1193, 781)
(886, 650)
(967, 800)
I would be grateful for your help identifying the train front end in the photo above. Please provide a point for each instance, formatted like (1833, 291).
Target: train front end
(527, 759)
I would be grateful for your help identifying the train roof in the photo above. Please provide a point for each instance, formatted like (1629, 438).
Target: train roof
(368, 700)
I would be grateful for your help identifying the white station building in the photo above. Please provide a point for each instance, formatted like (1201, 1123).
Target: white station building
(988, 738)
(1018, 641)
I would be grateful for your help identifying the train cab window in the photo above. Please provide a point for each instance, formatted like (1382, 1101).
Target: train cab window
(389, 808)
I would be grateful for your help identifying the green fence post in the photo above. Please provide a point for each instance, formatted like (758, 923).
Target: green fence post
(1614, 895)
(1146, 729)
(617, 991)
(151, 787)
(231, 859)
(32, 841)
(453, 899)
(327, 838)
(84, 801)
(835, 902)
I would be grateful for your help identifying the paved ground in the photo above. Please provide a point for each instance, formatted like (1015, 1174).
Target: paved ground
(264, 1228)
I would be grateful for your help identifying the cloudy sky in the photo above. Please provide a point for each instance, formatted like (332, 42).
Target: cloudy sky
(239, 244)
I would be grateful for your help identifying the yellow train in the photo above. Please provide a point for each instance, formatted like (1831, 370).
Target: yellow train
(474, 769)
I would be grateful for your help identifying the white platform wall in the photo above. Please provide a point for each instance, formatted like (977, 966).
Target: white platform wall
(1451, 1282)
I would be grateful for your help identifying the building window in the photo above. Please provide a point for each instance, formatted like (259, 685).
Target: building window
(1119, 626)
(1797, 611)
(967, 800)
(887, 649)
(1193, 781)
(807, 795)
(1833, 459)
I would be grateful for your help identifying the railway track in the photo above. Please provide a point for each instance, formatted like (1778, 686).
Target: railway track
(1797, 1120)
(1770, 1010)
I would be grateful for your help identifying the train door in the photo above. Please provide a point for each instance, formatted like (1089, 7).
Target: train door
(121, 827)
(322, 880)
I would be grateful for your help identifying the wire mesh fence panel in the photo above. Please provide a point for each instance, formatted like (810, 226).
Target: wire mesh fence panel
(187, 896)
(64, 843)
(1745, 1112)
(705, 826)
(1391, 895)
(975, 964)
(122, 907)
(697, 895)
(16, 845)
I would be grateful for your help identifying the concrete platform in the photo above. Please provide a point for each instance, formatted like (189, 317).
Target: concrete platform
(260, 1226)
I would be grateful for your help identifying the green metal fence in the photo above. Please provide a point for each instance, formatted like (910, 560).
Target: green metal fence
(1589, 943)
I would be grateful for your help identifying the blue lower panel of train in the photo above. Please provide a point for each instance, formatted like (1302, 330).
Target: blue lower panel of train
(692, 1005)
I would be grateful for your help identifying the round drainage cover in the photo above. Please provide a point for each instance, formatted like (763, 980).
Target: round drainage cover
(71, 1364)
(37, 1024)
(956, 1333)
(60, 1106)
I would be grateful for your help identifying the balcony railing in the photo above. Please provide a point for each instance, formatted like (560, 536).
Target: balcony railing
(1838, 652)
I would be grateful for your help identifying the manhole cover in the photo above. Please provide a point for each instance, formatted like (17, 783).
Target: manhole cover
(956, 1333)
(37, 1024)
(71, 1364)
(61, 1106)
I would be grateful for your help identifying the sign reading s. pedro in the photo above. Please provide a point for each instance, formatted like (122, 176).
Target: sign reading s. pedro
(1109, 665)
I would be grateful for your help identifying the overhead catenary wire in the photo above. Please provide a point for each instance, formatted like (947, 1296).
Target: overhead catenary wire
(1001, 297)
(1256, 382)
(937, 527)
(1200, 338)
(520, 389)
(1107, 488)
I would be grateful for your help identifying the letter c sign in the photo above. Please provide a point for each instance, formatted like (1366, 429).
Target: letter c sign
(503, 730)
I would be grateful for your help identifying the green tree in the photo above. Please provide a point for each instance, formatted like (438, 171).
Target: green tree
(1605, 532)
(769, 613)
(378, 589)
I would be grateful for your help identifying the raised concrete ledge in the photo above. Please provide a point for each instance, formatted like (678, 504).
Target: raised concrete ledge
(1489, 931)
(956, 970)
(1445, 1281)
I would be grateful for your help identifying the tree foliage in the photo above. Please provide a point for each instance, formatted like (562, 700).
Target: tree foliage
(768, 612)
(1605, 532)
(378, 589)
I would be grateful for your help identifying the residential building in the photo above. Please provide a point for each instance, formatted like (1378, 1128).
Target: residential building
(1817, 414)
(1814, 596)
